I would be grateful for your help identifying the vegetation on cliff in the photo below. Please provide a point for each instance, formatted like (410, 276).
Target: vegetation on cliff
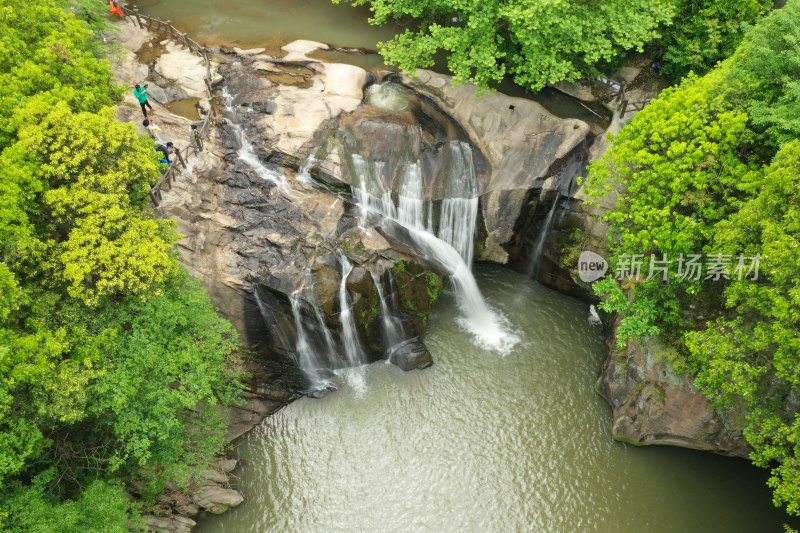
(111, 358)
(712, 168)
(538, 42)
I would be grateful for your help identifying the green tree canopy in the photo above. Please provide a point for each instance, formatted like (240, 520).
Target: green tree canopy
(704, 170)
(535, 41)
(112, 360)
(540, 42)
(705, 32)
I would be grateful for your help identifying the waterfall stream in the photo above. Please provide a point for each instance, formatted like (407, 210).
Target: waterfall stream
(392, 328)
(307, 358)
(538, 250)
(246, 152)
(354, 354)
(450, 243)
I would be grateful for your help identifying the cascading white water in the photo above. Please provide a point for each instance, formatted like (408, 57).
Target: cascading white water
(308, 285)
(459, 210)
(411, 205)
(490, 330)
(369, 192)
(354, 375)
(389, 96)
(352, 346)
(304, 172)
(392, 328)
(538, 250)
(457, 225)
(248, 155)
(307, 358)
(246, 152)
(450, 243)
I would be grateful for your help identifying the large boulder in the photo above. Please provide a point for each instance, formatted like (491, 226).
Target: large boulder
(184, 69)
(653, 404)
(216, 499)
(411, 354)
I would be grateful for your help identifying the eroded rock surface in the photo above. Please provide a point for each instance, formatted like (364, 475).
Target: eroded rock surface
(652, 404)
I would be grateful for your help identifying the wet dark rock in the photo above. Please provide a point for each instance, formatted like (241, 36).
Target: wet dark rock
(411, 354)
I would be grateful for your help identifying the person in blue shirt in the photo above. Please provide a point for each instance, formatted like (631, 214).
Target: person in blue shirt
(141, 95)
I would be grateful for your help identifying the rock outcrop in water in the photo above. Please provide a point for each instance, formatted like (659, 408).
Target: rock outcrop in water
(652, 404)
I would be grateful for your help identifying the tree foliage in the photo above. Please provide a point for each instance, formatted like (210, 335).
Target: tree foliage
(705, 170)
(540, 42)
(535, 41)
(112, 360)
(705, 32)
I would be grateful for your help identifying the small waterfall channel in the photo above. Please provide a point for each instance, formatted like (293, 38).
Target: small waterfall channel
(392, 327)
(354, 353)
(246, 152)
(538, 249)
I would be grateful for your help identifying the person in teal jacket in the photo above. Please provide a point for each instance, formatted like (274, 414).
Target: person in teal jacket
(141, 95)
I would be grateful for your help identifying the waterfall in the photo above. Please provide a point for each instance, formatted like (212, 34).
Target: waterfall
(352, 346)
(457, 225)
(304, 172)
(490, 330)
(538, 250)
(248, 155)
(307, 357)
(392, 328)
(369, 192)
(411, 205)
(458, 211)
(354, 375)
(450, 243)
(246, 152)
(308, 284)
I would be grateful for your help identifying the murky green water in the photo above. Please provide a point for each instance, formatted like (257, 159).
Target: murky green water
(480, 443)
(270, 23)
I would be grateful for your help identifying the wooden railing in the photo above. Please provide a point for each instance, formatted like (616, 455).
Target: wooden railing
(619, 95)
(626, 106)
(199, 132)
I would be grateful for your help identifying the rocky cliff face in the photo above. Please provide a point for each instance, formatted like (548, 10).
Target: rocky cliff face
(652, 404)
(264, 235)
